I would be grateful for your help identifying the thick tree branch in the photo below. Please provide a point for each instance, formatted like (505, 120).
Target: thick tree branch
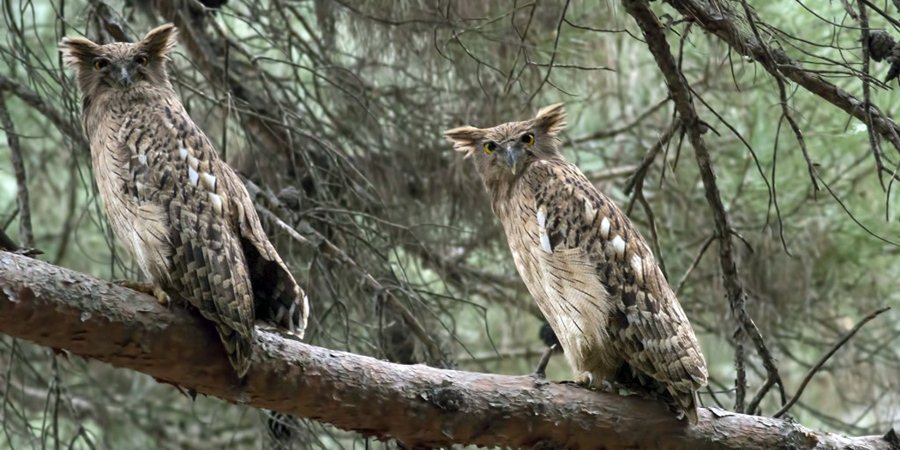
(418, 405)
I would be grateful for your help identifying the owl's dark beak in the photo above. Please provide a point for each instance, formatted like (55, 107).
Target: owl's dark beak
(514, 157)
(123, 77)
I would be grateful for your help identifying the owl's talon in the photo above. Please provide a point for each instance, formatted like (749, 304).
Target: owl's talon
(607, 386)
(146, 288)
(585, 379)
(161, 296)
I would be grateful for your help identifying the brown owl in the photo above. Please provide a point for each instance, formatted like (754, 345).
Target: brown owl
(184, 214)
(587, 267)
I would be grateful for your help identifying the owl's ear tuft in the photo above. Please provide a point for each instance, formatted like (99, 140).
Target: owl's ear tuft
(160, 41)
(78, 50)
(464, 139)
(551, 119)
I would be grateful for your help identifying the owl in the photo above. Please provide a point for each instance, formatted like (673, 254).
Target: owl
(181, 211)
(591, 273)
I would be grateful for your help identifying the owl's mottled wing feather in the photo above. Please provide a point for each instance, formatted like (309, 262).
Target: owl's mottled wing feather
(646, 324)
(212, 275)
(175, 168)
(279, 299)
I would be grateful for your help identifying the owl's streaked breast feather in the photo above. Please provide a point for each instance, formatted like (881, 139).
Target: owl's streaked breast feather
(652, 332)
(180, 210)
(589, 270)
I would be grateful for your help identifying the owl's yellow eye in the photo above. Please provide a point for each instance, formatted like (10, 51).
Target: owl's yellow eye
(489, 147)
(100, 63)
(528, 138)
(142, 60)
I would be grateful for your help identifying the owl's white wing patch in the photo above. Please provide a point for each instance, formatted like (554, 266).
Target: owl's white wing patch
(619, 246)
(637, 266)
(574, 301)
(193, 176)
(542, 230)
(604, 228)
(209, 181)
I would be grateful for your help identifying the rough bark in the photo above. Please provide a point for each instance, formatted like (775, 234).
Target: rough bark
(419, 405)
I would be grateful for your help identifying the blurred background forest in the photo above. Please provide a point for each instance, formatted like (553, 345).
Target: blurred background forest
(333, 111)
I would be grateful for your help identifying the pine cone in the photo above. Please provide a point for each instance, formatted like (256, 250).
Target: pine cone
(880, 44)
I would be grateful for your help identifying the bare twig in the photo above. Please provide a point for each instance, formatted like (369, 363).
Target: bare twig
(723, 25)
(637, 178)
(773, 68)
(696, 261)
(818, 365)
(26, 235)
(740, 368)
(30, 98)
(611, 173)
(562, 18)
(681, 94)
(874, 143)
(606, 134)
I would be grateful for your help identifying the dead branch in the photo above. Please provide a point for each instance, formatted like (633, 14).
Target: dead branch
(55, 116)
(15, 150)
(419, 405)
(716, 21)
(606, 134)
(680, 93)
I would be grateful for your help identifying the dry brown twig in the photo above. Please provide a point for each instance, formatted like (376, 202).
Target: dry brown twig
(26, 234)
(681, 95)
(822, 360)
(720, 23)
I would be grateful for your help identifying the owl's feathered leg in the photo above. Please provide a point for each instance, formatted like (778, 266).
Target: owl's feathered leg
(599, 383)
(147, 288)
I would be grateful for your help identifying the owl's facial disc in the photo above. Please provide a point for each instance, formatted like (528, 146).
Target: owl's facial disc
(515, 152)
(513, 157)
(123, 76)
(122, 73)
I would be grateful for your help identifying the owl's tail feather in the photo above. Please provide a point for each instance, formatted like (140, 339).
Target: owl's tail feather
(279, 300)
(688, 404)
(238, 348)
